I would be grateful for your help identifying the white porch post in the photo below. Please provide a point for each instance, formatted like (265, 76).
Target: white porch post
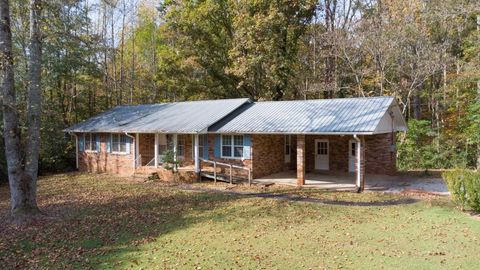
(196, 151)
(137, 151)
(175, 144)
(156, 150)
(359, 164)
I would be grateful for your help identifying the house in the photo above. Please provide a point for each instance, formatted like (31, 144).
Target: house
(354, 135)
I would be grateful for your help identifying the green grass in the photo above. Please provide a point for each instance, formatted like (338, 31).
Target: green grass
(104, 222)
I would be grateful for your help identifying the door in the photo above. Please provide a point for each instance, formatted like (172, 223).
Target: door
(321, 155)
(352, 155)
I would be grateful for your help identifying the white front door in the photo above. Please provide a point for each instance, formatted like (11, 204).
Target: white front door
(321, 155)
(352, 155)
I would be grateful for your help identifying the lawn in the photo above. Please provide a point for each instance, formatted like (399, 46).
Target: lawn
(106, 222)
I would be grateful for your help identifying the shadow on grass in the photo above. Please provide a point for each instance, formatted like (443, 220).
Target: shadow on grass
(88, 232)
(286, 195)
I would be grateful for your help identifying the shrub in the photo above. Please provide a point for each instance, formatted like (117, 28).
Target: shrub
(464, 186)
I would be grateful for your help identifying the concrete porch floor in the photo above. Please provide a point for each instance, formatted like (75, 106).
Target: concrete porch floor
(346, 181)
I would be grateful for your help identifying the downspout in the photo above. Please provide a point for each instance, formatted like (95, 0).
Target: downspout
(134, 152)
(76, 148)
(359, 178)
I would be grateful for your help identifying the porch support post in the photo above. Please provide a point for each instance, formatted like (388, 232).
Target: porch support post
(137, 151)
(360, 163)
(300, 160)
(196, 153)
(156, 150)
(175, 144)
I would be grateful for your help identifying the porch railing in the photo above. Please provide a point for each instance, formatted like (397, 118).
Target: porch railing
(215, 175)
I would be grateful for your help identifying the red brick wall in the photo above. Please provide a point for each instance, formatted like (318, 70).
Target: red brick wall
(378, 155)
(268, 154)
(101, 162)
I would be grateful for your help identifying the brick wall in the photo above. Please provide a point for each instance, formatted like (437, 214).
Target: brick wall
(378, 155)
(103, 162)
(268, 154)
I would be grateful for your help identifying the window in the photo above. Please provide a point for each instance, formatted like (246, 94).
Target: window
(201, 145)
(353, 148)
(91, 142)
(322, 148)
(119, 143)
(232, 146)
(180, 145)
(287, 144)
(165, 142)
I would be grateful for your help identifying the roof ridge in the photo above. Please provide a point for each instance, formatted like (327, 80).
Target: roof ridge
(177, 102)
(322, 99)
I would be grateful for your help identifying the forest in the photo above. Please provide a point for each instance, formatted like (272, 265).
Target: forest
(98, 54)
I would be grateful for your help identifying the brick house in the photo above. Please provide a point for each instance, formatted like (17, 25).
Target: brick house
(258, 138)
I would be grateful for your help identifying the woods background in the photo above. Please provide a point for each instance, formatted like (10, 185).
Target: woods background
(98, 54)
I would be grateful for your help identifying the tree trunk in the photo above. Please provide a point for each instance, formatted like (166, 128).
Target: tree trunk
(22, 177)
(34, 101)
(478, 100)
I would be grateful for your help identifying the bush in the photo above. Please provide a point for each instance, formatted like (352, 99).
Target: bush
(464, 186)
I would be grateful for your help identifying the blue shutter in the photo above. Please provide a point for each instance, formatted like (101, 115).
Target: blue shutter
(108, 141)
(247, 142)
(217, 146)
(97, 141)
(128, 143)
(205, 146)
(81, 142)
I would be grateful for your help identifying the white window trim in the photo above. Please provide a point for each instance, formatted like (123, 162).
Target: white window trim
(92, 141)
(111, 145)
(232, 146)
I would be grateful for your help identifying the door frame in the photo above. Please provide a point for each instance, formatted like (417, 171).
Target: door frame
(316, 154)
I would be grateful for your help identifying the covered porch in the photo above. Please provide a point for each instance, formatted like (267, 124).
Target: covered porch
(152, 151)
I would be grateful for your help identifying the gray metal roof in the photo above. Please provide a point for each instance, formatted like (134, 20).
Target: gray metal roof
(346, 115)
(177, 117)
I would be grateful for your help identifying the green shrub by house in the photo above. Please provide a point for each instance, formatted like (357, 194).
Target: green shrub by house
(464, 186)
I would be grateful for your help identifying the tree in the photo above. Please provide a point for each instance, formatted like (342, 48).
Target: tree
(22, 172)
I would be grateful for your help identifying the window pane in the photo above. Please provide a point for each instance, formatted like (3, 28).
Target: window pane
(226, 140)
(88, 142)
(287, 145)
(94, 142)
(180, 145)
(238, 151)
(238, 139)
(115, 143)
(226, 151)
(180, 150)
(162, 149)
